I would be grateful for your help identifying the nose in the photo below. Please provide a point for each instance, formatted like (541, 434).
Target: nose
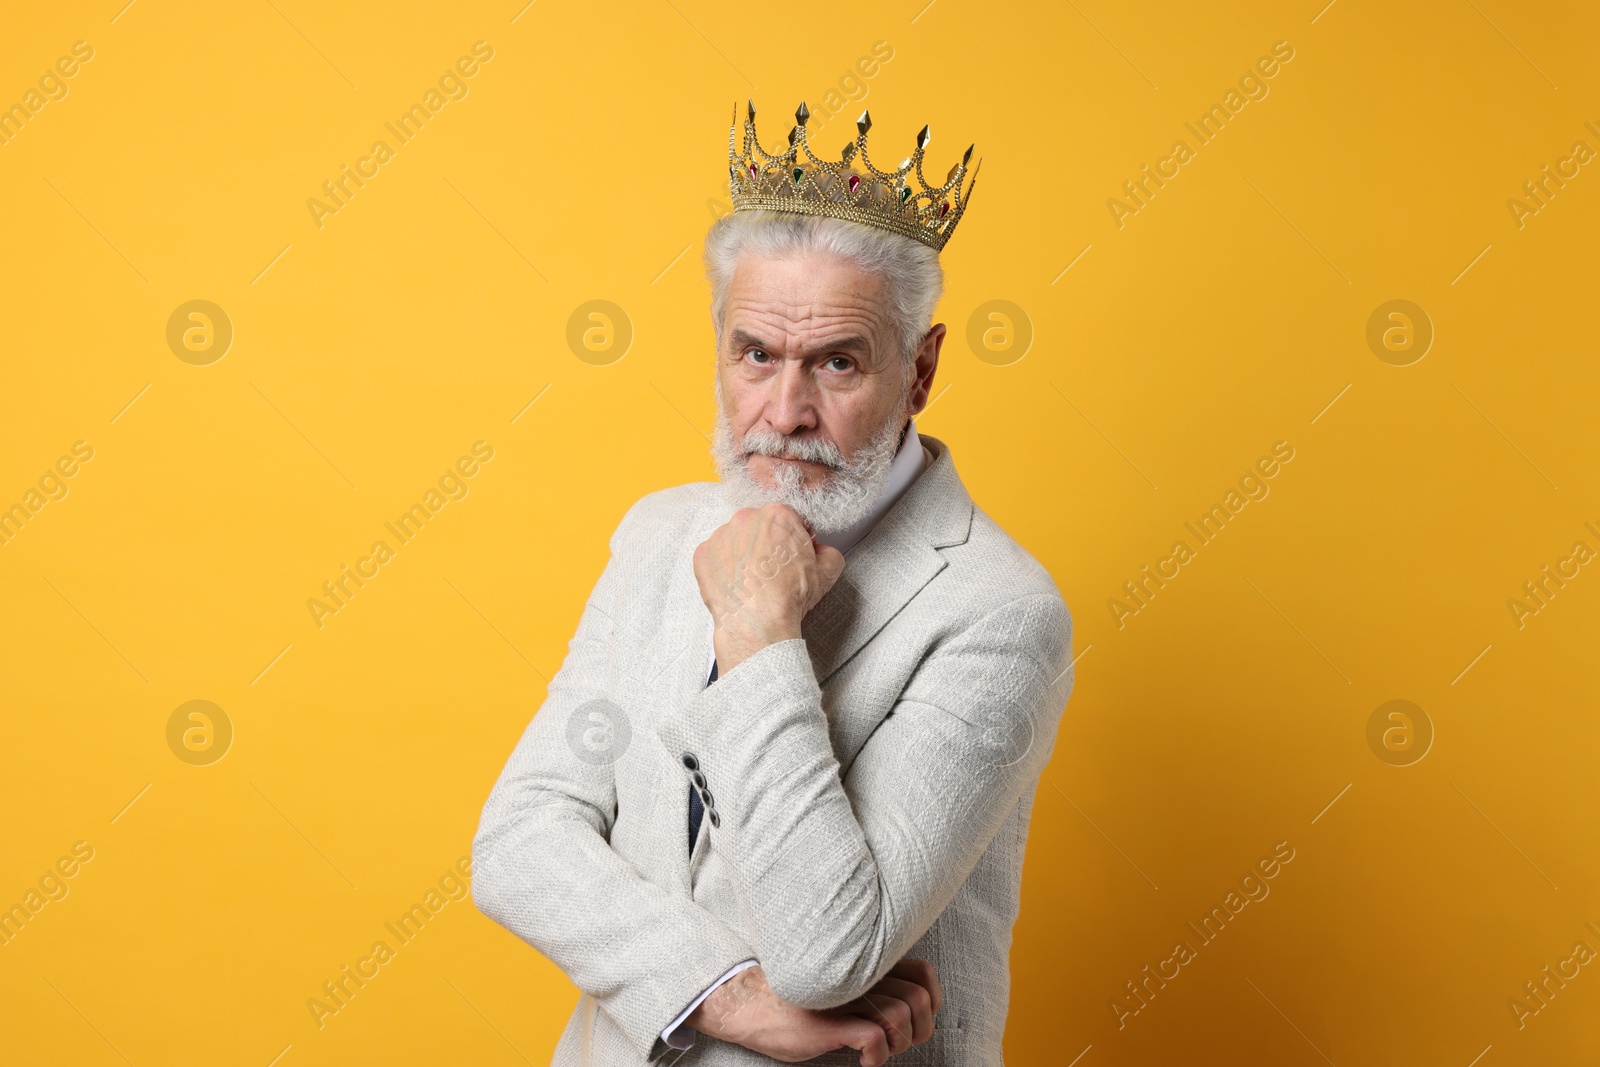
(791, 405)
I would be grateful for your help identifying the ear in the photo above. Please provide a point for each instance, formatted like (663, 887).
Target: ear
(926, 364)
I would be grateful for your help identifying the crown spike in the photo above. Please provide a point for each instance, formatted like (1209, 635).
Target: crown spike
(752, 110)
(864, 123)
(968, 154)
(802, 113)
(923, 138)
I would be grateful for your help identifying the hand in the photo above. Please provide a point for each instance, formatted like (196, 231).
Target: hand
(903, 1002)
(889, 1018)
(759, 574)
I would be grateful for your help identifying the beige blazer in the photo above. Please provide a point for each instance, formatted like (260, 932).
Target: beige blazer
(871, 781)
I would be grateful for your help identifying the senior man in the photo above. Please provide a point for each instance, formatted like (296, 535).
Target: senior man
(774, 805)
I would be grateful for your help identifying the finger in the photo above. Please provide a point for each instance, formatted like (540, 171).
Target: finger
(795, 529)
(788, 518)
(923, 973)
(892, 1014)
(866, 1037)
(918, 1002)
(826, 569)
(830, 561)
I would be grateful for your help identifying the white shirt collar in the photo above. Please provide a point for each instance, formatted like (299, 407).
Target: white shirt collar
(908, 462)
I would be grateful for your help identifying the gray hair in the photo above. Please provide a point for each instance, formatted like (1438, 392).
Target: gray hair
(912, 277)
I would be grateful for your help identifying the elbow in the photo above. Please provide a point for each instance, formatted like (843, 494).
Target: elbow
(826, 971)
(485, 898)
(837, 954)
(489, 882)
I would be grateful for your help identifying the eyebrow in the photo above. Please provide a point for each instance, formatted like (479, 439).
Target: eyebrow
(742, 338)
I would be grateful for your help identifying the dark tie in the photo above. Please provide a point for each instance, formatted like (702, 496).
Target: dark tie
(696, 809)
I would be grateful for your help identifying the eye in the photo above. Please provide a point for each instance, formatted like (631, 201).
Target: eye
(758, 355)
(841, 364)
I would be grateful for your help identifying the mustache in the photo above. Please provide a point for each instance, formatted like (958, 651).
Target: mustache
(767, 442)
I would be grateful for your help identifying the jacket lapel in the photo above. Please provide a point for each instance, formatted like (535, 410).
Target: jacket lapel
(677, 659)
(890, 565)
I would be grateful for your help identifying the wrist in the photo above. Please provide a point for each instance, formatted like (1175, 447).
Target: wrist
(736, 639)
(724, 1015)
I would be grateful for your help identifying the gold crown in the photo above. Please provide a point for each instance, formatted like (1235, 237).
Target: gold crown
(812, 186)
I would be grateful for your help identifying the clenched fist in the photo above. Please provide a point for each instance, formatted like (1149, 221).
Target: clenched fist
(759, 574)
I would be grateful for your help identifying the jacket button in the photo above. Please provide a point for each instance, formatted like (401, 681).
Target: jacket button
(716, 820)
(699, 780)
(689, 761)
(705, 798)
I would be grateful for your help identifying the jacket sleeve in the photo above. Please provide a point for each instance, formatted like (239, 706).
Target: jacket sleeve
(839, 876)
(543, 866)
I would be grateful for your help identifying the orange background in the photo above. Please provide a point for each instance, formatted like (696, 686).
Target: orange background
(1165, 355)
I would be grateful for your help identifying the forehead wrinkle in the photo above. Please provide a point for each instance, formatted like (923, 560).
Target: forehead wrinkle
(841, 328)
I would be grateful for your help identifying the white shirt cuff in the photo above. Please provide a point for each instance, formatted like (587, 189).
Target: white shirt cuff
(676, 1035)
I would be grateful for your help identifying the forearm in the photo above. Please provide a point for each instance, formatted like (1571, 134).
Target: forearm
(788, 829)
(543, 871)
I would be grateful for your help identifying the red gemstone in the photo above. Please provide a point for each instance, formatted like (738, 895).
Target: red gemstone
(855, 180)
(944, 207)
(753, 172)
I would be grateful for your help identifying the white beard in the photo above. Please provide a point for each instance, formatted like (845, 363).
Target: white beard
(843, 498)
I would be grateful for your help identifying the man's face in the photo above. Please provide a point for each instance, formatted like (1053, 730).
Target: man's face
(807, 353)
(812, 390)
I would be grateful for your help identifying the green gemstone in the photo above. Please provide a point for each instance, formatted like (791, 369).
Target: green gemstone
(798, 174)
(905, 194)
